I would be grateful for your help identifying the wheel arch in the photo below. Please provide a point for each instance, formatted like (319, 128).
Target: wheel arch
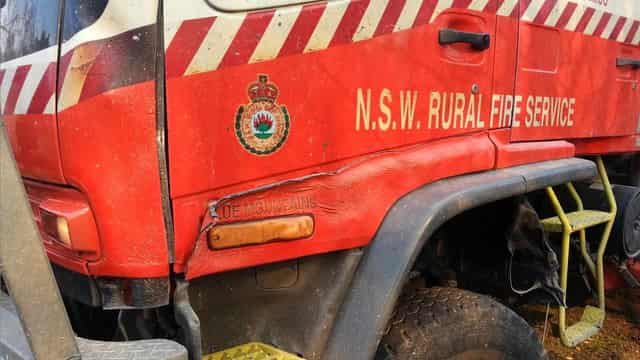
(405, 230)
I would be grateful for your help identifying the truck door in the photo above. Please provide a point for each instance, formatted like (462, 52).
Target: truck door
(575, 72)
(349, 77)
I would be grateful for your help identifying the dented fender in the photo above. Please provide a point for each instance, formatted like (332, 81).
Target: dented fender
(405, 230)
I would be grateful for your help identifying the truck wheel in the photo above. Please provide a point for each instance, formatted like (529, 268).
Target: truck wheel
(449, 323)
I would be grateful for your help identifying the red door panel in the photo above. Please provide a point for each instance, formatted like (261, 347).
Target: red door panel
(356, 77)
(567, 80)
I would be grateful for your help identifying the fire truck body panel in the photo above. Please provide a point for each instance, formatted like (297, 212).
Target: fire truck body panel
(368, 106)
(346, 141)
(35, 78)
(105, 133)
(558, 68)
(108, 70)
(317, 43)
(152, 129)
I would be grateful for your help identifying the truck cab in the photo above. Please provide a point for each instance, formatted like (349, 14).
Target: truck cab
(215, 164)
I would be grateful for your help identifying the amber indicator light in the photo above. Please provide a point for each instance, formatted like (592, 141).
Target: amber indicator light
(260, 231)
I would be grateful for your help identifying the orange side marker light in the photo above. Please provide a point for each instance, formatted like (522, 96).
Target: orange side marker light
(260, 231)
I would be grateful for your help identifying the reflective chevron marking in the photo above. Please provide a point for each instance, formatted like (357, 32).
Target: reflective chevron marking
(199, 39)
(363, 19)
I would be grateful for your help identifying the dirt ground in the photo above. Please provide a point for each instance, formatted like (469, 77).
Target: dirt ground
(618, 339)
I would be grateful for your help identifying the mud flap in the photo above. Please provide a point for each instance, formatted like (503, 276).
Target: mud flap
(533, 265)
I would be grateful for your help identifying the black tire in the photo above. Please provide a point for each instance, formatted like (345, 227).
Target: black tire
(449, 323)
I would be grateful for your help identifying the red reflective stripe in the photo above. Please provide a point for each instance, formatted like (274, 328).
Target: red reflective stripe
(499, 4)
(632, 31)
(349, 22)
(426, 11)
(390, 17)
(489, 7)
(463, 4)
(63, 68)
(520, 9)
(617, 28)
(566, 15)
(604, 20)
(44, 91)
(185, 44)
(302, 29)
(544, 11)
(584, 21)
(247, 38)
(16, 86)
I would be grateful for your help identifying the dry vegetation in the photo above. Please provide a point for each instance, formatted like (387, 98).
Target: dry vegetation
(619, 338)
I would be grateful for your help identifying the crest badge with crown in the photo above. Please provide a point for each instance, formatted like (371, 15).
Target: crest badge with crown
(262, 126)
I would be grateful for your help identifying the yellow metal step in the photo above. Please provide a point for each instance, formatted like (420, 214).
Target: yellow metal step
(252, 351)
(589, 325)
(578, 220)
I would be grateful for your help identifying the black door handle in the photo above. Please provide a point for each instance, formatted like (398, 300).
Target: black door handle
(634, 63)
(478, 41)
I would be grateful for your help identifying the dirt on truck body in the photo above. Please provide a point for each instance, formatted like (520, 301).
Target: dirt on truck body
(341, 179)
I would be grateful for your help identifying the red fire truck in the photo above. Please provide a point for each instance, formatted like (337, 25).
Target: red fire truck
(338, 179)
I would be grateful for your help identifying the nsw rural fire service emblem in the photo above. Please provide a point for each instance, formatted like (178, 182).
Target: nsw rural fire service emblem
(262, 126)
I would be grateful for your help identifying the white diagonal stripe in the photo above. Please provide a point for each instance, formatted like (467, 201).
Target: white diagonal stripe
(370, 20)
(593, 23)
(625, 30)
(276, 34)
(327, 25)
(556, 12)
(442, 6)
(507, 7)
(533, 10)
(31, 82)
(215, 44)
(613, 20)
(50, 108)
(478, 5)
(170, 31)
(5, 87)
(636, 39)
(575, 18)
(408, 15)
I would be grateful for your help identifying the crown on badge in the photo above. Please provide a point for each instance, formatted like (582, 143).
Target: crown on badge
(262, 90)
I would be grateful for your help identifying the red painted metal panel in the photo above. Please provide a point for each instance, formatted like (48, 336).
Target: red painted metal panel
(346, 107)
(607, 145)
(35, 143)
(568, 92)
(112, 158)
(512, 154)
(347, 205)
(320, 91)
